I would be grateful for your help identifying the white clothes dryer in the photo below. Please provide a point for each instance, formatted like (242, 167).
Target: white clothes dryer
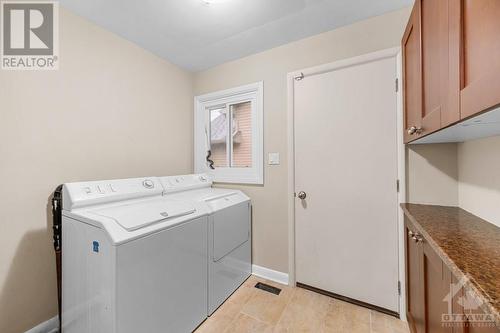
(229, 232)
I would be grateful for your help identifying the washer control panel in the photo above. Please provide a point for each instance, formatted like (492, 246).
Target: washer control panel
(88, 193)
(89, 189)
(185, 182)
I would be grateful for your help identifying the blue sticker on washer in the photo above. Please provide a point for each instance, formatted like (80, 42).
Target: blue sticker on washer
(95, 246)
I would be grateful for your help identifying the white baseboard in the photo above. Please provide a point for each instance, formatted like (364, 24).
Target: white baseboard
(49, 326)
(270, 274)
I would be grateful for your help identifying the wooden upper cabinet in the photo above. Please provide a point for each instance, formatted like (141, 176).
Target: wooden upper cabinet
(428, 95)
(412, 77)
(475, 53)
(451, 63)
(434, 35)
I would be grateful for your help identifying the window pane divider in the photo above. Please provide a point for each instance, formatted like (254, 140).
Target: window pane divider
(229, 136)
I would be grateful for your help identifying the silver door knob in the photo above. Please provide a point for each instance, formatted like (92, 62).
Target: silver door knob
(302, 195)
(414, 130)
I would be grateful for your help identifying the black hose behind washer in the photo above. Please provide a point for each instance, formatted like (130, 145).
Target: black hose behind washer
(57, 235)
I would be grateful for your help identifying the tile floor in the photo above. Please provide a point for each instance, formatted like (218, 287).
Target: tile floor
(294, 310)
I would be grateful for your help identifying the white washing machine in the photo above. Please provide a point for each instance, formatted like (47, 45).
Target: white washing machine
(132, 260)
(229, 232)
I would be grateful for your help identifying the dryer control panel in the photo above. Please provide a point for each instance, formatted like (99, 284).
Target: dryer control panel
(82, 194)
(173, 184)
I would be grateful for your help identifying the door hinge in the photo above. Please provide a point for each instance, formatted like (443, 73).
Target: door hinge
(397, 185)
(299, 77)
(399, 288)
(397, 85)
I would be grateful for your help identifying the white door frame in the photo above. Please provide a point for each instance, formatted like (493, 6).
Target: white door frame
(303, 74)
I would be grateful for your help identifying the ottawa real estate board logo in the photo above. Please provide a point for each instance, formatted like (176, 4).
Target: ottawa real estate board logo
(464, 308)
(29, 35)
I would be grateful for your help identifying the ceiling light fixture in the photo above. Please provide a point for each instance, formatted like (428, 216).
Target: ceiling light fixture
(213, 2)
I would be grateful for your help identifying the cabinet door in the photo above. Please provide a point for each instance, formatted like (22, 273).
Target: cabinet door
(457, 293)
(438, 110)
(473, 323)
(475, 42)
(471, 328)
(414, 292)
(475, 327)
(430, 99)
(478, 329)
(437, 281)
(432, 291)
(412, 74)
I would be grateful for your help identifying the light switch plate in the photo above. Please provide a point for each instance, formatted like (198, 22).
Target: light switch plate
(273, 159)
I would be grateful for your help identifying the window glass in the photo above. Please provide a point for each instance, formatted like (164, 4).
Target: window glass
(241, 115)
(218, 137)
(229, 125)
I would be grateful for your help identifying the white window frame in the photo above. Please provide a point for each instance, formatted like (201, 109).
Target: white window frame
(253, 93)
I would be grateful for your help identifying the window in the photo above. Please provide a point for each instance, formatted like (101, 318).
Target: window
(228, 126)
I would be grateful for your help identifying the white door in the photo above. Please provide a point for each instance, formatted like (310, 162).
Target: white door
(346, 164)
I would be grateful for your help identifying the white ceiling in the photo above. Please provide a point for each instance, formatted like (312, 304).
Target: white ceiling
(195, 35)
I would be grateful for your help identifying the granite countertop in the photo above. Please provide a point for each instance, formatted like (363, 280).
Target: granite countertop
(467, 244)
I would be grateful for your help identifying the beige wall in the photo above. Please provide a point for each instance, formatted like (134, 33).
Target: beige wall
(432, 174)
(270, 243)
(112, 110)
(479, 178)
(457, 174)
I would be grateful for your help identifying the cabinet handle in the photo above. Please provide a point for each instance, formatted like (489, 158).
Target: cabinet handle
(414, 130)
(418, 238)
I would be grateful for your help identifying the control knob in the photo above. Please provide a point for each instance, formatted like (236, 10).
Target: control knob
(148, 183)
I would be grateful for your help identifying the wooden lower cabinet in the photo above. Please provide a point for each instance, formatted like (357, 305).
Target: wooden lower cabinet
(474, 328)
(458, 293)
(432, 291)
(436, 286)
(414, 293)
(469, 325)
